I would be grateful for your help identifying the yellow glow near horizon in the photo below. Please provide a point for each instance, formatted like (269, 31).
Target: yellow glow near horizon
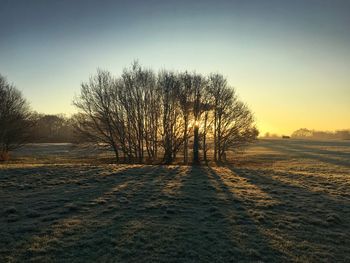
(289, 60)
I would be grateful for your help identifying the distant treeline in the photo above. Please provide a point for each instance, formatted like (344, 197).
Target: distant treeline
(51, 129)
(304, 133)
(322, 135)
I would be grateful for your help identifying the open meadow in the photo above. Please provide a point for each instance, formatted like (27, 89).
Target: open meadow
(279, 201)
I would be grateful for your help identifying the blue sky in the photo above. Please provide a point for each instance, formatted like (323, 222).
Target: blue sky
(289, 60)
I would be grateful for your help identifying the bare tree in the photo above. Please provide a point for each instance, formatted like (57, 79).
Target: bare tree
(198, 85)
(237, 128)
(15, 118)
(95, 120)
(221, 97)
(152, 117)
(185, 97)
(233, 121)
(172, 124)
(141, 113)
(141, 103)
(207, 107)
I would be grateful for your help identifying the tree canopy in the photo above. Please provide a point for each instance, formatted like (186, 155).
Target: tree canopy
(143, 115)
(15, 118)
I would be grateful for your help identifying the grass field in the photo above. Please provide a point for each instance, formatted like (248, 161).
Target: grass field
(280, 201)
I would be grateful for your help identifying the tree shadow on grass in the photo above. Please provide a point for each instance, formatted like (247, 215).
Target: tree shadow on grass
(58, 207)
(126, 223)
(241, 227)
(163, 214)
(135, 230)
(202, 221)
(325, 156)
(145, 214)
(313, 223)
(319, 151)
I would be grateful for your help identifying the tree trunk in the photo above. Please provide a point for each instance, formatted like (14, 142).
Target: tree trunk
(196, 145)
(205, 138)
(215, 137)
(185, 142)
(4, 156)
(115, 149)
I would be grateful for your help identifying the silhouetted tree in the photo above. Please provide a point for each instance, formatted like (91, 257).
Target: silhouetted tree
(95, 122)
(172, 123)
(207, 107)
(141, 102)
(198, 87)
(222, 99)
(140, 113)
(15, 118)
(123, 113)
(233, 122)
(185, 101)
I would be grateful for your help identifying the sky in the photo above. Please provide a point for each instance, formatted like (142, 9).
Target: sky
(288, 60)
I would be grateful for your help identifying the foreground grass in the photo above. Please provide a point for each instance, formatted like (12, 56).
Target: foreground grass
(278, 203)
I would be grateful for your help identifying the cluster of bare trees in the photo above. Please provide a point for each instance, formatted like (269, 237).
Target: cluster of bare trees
(144, 116)
(141, 115)
(15, 118)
